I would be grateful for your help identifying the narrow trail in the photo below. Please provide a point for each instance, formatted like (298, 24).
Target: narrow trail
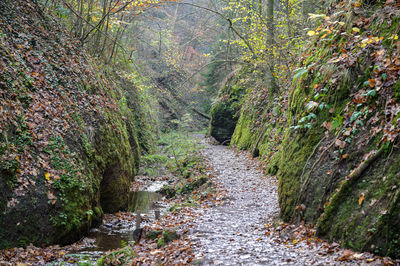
(235, 232)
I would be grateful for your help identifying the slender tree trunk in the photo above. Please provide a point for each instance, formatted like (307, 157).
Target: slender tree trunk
(271, 46)
(99, 29)
(106, 29)
(288, 7)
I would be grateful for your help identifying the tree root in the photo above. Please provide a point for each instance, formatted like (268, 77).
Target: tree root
(312, 168)
(347, 183)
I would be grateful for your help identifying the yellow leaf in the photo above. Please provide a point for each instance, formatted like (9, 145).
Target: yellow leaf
(355, 29)
(328, 31)
(311, 33)
(295, 241)
(47, 176)
(361, 199)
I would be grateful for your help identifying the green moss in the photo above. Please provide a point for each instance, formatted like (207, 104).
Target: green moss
(373, 223)
(396, 90)
(167, 237)
(161, 243)
(189, 187)
(387, 29)
(153, 235)
(295, 151)
(242, 136)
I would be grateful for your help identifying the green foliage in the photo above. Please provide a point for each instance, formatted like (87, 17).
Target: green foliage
(118, 257)
(153, 235)
(183, 152)
(142, 106)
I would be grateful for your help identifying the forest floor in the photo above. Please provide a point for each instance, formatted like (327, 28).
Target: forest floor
(246, 229)
(230, 220)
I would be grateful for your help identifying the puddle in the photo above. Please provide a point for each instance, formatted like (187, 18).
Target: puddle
(143, 201)
(114, 233)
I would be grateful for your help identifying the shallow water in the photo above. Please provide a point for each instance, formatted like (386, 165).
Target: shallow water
(114, 233)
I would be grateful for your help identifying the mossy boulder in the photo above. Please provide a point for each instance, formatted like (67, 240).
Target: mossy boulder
(167, 237)
(153, 235)
(68, 147)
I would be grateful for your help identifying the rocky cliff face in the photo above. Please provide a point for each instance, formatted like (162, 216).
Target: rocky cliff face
(224, 111)
(68, 148)
(339, 161)
(335, 149)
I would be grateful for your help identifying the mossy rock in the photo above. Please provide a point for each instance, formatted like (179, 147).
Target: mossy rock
(359, 210)
(223, 122)
(168, 191)
(191, 186)
(224, 112)
(167, 237)
(153, 235)
(74, 159)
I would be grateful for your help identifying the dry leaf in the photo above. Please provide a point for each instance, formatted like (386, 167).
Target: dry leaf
(361, 199)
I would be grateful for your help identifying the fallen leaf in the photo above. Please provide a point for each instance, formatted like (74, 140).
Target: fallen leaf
(311, 33)
(371, 82)
(361, 199)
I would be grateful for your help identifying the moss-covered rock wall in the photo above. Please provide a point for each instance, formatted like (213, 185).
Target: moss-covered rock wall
(224, 111)
(261, 124)
(335, 148)
(338, 161)
(68, 147)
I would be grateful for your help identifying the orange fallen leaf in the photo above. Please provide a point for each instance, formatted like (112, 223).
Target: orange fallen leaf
(372, 82)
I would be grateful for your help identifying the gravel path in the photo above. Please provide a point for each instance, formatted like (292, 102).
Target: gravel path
(235, 232)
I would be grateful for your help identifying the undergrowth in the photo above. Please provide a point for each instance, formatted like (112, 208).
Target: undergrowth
(179, 154)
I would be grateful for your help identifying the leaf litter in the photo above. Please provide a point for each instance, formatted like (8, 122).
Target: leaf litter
(233, 223)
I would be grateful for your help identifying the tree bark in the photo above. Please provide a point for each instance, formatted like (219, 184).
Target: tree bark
(270, 44)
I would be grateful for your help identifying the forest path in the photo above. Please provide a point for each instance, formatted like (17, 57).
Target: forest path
(235, 233)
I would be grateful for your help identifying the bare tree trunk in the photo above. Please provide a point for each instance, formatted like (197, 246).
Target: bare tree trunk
(106, 30)
(288, 10)
(270, 44)
(99, 29)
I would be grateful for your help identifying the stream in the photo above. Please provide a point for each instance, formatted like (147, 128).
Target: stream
(115, 232)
